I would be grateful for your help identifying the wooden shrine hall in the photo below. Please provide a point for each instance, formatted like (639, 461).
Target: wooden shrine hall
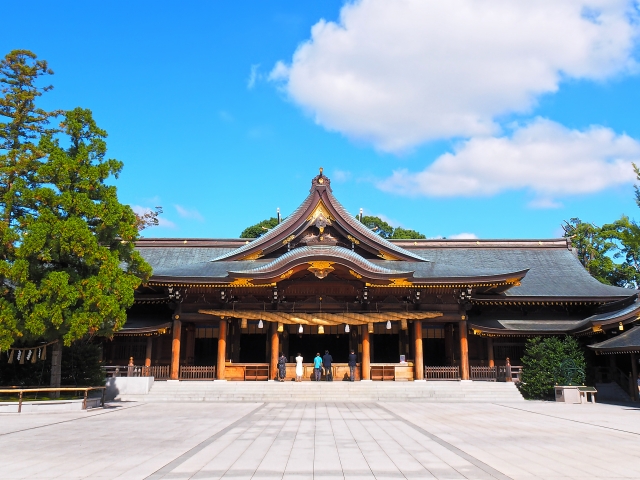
(321, 280)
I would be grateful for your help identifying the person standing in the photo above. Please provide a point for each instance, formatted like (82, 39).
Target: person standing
(353, 360)
(299, 370)
(327, 360)
(317, 366)
(282, 367)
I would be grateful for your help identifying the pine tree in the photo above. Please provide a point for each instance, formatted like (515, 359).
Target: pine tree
(68, 262)
(22, 124)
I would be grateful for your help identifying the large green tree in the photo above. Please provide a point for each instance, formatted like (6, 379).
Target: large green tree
(376, 224)
(254, 231)
(22, 123)
(607, 252)
(72, 267)
(385, 230)
(400, 233)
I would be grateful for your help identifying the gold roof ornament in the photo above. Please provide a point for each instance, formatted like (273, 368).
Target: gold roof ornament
(254, 255)
(386, 256)
(321, 269)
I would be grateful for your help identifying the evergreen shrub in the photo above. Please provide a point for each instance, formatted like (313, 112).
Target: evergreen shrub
(548, 362)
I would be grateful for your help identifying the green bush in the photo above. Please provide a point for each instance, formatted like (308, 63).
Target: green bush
(548, 362)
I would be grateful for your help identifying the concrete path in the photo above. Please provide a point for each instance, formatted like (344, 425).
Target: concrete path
(525, 440)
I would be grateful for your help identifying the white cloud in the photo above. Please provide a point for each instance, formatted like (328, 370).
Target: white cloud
(399, 73)
(253, 76)
(189, 213)
(463, 236)
(162, 222)
(544, 203)
(340, 176)
(543, 157)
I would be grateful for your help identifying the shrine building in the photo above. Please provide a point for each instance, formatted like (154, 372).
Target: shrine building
(321, 280)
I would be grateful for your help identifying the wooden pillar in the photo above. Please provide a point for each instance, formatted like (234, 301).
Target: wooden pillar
(464, 350)
(366, 354)
(275, 350)
(147, 357)
(175, 349)
(222, 348)
(634, 376)
(419, 360)
(492, 362)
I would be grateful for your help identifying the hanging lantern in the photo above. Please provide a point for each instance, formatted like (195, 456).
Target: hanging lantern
(280, 327)
(300, 329)
(403, 323)
(260, 324)
(243, 323)
(320, 329)
(370, 327)
(346, 328)
(388, 324)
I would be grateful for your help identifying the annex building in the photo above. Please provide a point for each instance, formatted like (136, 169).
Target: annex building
(320, 280)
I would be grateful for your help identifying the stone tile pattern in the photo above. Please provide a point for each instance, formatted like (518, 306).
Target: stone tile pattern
(342, 440)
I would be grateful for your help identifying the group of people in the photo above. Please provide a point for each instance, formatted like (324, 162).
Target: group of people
(319, 364)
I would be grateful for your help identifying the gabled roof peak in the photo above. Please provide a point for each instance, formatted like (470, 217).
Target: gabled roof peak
(320, 182)
(307, 224)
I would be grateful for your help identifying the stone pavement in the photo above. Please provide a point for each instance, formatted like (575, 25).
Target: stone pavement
(524, 440)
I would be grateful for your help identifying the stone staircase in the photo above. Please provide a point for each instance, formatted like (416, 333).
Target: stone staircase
(431, 391)
(611, 393)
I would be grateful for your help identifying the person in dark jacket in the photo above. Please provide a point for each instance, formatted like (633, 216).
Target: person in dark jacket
(353, 360)
(282, 367)
(327, 360)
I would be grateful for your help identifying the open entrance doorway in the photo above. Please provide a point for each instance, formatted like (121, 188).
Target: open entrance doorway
(253, 348)
(433, 345)
(386, 348)
(205, 352)
(309, 345)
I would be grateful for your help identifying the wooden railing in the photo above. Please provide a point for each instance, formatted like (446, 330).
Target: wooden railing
(442, 373)
(487, 374)
(383, 372)
(159, 372)
(22, 391)
(188, 372)
(256, 372)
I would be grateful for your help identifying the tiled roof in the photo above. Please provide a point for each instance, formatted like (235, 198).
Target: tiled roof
(321, 252)
(553, 272)
(628, 341)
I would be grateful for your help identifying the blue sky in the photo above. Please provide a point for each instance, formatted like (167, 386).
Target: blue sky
(493, 119)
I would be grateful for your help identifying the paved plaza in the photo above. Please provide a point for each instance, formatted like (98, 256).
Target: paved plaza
(526, 440)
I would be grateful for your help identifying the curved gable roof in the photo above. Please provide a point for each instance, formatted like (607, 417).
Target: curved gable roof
(304, 216)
